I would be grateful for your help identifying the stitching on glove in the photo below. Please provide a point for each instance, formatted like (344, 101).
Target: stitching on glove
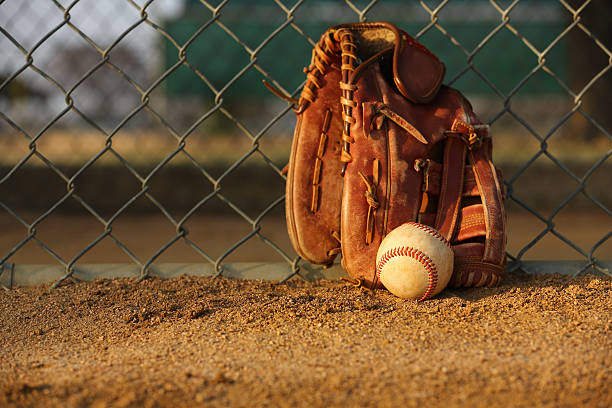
(468, 133)
(466, 267)
(382, 109)
(370, 195)
(316, 176)
(355, 282)
(335, 251)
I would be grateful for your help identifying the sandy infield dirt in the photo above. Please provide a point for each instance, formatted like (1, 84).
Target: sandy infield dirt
(532, 342)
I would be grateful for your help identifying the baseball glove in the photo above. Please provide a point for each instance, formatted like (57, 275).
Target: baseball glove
(379, 142)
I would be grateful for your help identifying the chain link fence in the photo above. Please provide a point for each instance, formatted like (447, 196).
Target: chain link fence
(180, 82)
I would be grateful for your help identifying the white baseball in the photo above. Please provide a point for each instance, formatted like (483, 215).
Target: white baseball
(414, 261)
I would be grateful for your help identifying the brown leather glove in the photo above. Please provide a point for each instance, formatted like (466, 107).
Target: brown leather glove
(380, 142)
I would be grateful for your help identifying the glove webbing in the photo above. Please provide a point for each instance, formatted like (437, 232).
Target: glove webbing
(322, 58)
(349, 62)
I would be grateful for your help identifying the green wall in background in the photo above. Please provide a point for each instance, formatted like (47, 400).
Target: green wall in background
(505, 59)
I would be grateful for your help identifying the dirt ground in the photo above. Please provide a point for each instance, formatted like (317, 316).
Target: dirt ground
(534, 341)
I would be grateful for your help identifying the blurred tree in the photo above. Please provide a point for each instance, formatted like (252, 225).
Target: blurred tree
(19, 89)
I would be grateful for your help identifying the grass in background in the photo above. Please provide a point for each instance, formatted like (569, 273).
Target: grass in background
(147, 147)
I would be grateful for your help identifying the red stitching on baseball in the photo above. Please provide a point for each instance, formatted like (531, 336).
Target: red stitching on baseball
(417, 255)
(431, 231)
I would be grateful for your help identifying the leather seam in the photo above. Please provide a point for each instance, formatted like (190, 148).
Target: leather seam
(431, 231)
(417, 255)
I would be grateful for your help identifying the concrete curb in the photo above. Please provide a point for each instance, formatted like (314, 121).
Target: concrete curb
(17, 275)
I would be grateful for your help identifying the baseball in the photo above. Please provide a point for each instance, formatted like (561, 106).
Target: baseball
(414, 261)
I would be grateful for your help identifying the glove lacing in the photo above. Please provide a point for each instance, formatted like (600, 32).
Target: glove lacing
(332, 43)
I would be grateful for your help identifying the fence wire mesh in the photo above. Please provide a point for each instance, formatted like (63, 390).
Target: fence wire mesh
(191, 68)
